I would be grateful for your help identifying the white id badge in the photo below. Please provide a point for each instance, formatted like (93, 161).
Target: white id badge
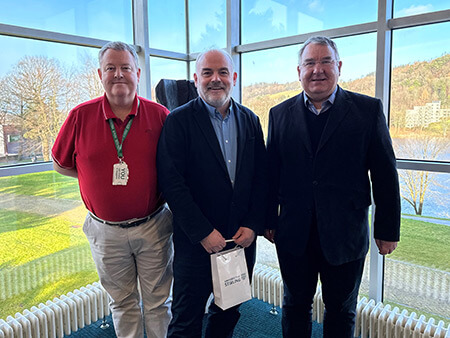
(120, 174)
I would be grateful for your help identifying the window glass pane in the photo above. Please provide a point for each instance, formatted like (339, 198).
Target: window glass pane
(39, 83)
(417, 274)
(44, 252)
(207, 24)
(413, 7)
(420, 100)
(167, 25)
(270, 19)
(101, 19)
(270, 76)
(162, 68)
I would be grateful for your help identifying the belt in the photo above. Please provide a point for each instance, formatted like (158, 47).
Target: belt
(129, 223)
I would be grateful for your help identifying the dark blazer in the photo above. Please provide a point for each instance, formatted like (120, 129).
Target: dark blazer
(334, 182)
(194, 179)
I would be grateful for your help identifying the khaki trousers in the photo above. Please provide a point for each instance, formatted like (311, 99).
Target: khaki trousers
(126, 257)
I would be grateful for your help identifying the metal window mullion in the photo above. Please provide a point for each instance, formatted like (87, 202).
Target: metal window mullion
(382, 91)
(188, 42)
(141, 38)
(233, 22)
(49, 36)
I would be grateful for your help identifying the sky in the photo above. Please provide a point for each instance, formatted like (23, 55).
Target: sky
(262, 19)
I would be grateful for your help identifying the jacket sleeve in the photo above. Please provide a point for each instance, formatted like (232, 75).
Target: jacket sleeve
(171, 165)
(384, 178)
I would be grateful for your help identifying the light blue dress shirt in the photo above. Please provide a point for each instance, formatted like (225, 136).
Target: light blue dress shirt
(325, 105)
(226, 132)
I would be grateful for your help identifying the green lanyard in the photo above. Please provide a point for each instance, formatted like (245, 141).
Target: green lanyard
(125, 133)
(116, 138)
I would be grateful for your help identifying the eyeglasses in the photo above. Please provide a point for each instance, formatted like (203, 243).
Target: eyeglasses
(324, 63)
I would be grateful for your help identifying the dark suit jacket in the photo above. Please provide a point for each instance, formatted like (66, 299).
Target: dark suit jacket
(194, 179)
(334, 182)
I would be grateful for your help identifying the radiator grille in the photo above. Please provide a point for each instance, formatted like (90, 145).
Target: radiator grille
(73, 311)
(59, 317)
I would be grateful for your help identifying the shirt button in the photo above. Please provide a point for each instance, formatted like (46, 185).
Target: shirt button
(226, 141)
(229, 161)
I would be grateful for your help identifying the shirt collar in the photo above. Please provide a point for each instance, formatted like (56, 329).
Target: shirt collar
(213, 111)
(108, 113)
(330, 99)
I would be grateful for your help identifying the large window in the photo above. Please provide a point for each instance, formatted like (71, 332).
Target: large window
(100, 19)
(207, 25)
(412, 7)
(420, 100)
(271, 19)
(167, 25)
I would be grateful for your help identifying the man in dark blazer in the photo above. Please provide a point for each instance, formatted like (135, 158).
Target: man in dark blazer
(321, 146)
(212, 171)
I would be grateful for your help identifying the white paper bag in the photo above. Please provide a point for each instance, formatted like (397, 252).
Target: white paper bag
(231, 283)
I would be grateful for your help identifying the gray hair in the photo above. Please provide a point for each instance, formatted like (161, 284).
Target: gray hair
(119, 46)
(319, 40)
(224, 53)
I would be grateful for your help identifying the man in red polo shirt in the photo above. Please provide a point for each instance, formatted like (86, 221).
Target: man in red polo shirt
(109, 144)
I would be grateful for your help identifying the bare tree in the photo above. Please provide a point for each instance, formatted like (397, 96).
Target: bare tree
(86, 80)
(415, 184)
(37, 91)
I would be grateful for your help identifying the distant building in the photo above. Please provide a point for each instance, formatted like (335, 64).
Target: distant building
(2, 142)
(10, 142)
(423, 116)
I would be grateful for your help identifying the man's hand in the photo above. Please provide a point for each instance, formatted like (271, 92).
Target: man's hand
(385, 247)
(214, 242)
(244, 237)
(269, 234)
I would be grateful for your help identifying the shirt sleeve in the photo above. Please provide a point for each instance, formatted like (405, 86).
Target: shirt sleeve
(64, 150)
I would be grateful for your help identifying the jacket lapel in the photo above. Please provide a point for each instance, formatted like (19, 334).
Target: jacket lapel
(241, 123)
(203, 120)
(338, 111)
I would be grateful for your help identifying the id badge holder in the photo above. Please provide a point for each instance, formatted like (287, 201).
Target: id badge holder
(120, 173)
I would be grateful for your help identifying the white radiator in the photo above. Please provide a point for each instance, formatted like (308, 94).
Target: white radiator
(62, 316)
(372, 320)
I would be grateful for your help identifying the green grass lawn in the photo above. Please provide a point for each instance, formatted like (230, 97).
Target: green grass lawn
(424, 243)
(47, 184)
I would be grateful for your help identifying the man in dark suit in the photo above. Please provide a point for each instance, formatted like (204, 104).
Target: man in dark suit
(321, 146)
(212, 171)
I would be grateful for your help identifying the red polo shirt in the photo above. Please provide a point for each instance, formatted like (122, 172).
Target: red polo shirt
(85, 141)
